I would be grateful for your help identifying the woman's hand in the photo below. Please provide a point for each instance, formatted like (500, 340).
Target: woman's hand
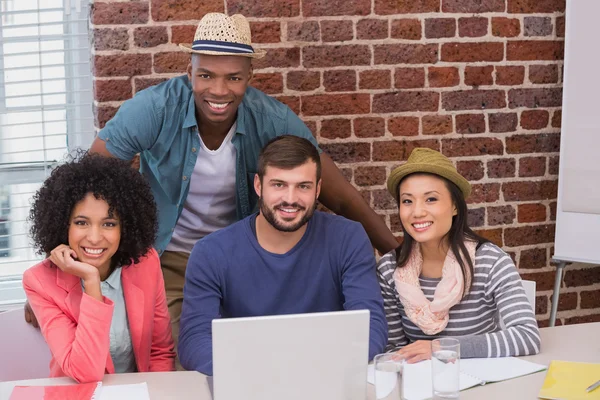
(415, 352)
(64, 258)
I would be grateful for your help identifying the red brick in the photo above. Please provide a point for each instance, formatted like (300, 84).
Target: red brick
(119, 13)
(110, 39)
(510, 75)
(305, 31)
(400, 150)
(395, 224)
(537, 26)
(369, 176)
(293, 103)
(476, 76)
(409, 29)
(506, 27)
(406, 101)
(387, 7)
(502, 215)
(284, 57)
(584, 319)
(144, 83)
(534, 212)
(472, 147)
(479, 6)
(372, 29)
(534, 98)
(103, 114)
(534, 119)
(407, 78)
(503, 122)
(472, 27)
(493, 235)
(440, 27)
(473, 100)
(303, 80)
(532, 166)
(529, 191)
(112, 90)
(567, 301)
(347, 152)
(271, 83)
(543, 73)
(347, 172)
(318, 8)
(369, 127)
(543, 280)
(552, 206)
(437, 124)
(335, 128)
(533, 258)
(334, 56)
(541, 307)
(470, 170)
(557, 119)
(476, 217)
(382, 200)
(337, 31)
(443, 76)
(185, 10)
(150, 36)
(184, 34)
(470, 123)
(339, 80)
(122, 65)
(265, 32)
(263, 8)
(538, 143)
(406, 53)
(404, 126)
(472, 52)
(501, 168)
(375, 79)
(560, 26)
(535, 6)
(534, 50)
(553, 164)
(582, 277)
(336, 104)
(590, 299)
(525, 235)
(171, 62)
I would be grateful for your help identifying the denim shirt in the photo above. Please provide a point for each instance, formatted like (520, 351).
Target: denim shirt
(160, 124)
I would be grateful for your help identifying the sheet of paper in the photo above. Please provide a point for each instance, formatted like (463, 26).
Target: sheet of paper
(138, 391)
(498, 369)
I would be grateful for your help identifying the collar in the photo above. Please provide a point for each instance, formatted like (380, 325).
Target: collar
(114, 279)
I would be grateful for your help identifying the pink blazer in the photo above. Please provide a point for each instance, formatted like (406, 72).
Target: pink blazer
(77, 326)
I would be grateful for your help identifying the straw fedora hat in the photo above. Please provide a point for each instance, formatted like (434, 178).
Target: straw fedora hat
(221, 35)
(429, 161)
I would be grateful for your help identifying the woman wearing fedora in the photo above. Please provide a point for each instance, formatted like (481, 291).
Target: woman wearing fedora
(444, 279)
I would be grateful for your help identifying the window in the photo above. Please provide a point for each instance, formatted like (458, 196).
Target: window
(45, 112)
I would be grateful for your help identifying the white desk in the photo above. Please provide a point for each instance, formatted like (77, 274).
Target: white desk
(571, 343)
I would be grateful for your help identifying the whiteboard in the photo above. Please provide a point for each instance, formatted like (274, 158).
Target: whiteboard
(578, 210)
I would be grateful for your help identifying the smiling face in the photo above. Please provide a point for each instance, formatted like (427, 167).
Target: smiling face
(219, 84)
(93, 234)
(426, 208)
(288, 197)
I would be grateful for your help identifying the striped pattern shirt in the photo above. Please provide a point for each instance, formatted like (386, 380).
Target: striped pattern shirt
(496, 292)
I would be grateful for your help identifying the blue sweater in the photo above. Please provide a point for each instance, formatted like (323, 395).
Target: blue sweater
(230, 275)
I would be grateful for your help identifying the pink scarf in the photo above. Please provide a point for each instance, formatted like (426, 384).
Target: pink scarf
(431, 316)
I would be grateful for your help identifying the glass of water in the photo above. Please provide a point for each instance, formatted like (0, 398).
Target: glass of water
(445, 368)
(388, 376)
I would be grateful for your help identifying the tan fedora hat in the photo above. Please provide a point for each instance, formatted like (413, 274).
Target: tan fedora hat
(221, 35)
(429, 161)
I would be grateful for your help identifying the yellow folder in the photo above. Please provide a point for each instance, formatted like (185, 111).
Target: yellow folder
(569, 380)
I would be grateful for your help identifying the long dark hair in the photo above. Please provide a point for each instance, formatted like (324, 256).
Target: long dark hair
(457, 235)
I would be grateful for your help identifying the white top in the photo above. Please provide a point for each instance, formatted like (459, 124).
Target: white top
(210, 203)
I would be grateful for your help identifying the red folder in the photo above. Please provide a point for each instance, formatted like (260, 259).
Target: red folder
(82, 391)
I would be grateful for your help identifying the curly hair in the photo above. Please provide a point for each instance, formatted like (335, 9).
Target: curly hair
(112, 180)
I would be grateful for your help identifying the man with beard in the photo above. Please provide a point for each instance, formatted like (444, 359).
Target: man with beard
(286, 259)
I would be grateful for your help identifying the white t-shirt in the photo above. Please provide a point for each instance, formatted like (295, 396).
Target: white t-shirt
(210, 203)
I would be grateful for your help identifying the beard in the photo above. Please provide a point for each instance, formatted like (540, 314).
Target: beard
(270, 215)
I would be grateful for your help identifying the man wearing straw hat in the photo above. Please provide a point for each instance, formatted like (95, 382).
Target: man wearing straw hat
(199, 137)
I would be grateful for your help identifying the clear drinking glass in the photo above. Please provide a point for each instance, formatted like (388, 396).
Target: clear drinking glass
(445, 368)
(388, 376)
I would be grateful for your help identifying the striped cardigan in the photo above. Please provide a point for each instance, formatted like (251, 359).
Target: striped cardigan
(496, 292)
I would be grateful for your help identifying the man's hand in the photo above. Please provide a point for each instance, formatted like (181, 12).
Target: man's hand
(30, 316)
(415, 352)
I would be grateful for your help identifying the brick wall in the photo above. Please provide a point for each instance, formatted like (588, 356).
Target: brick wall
(479, 80)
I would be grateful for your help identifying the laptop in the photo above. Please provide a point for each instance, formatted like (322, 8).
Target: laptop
(292, 357)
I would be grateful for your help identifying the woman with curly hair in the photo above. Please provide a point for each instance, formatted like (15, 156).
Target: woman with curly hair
(99, 297)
